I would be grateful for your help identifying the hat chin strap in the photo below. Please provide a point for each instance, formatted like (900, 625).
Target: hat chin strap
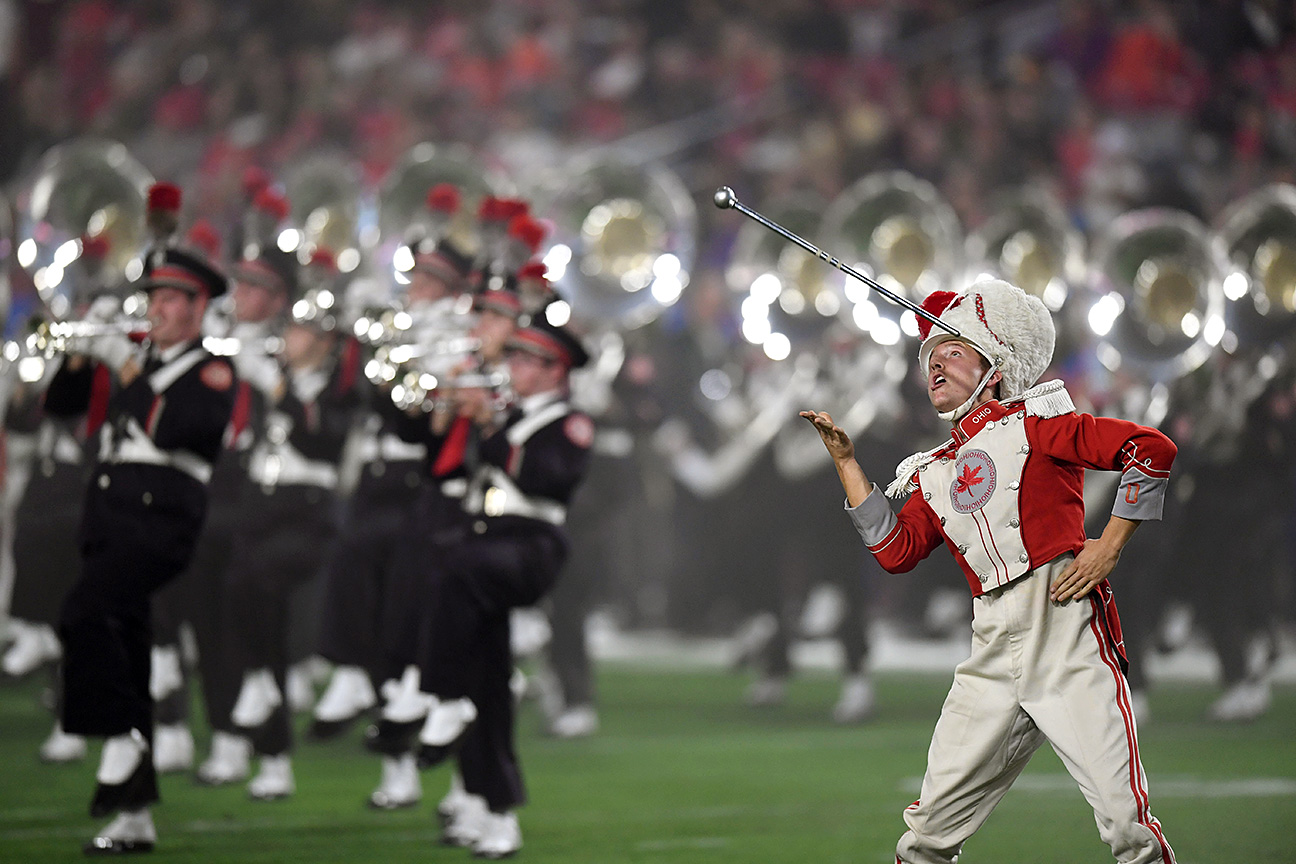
(960, 412)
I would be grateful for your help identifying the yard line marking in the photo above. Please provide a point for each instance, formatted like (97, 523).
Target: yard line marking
(1171, 786)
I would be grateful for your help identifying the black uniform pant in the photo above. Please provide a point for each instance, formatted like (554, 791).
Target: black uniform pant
(129, 550)
(279, 550)
(356, 579)
(45, 564)
(471, 588)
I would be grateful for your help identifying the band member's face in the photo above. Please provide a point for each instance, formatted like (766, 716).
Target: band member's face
(305, 346)
(175, 316)
(426, 287)
(254, 303)
(530, 374)
(953, 373)
(493, 329)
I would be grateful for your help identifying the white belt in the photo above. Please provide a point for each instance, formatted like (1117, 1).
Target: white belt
(388, 448)
(503, 498)
(134, 451)
(274, 469)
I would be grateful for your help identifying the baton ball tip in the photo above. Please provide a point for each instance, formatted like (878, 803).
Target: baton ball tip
(724, 197)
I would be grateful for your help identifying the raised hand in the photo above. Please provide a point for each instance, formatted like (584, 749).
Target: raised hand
(839, 444)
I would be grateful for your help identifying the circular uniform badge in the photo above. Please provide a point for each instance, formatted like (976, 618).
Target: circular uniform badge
(216, 375)
(974, 481)
(579, 430)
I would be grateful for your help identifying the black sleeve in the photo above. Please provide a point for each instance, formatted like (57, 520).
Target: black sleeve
(69, 391)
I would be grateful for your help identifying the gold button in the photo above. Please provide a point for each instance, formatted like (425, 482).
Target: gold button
(479, 527)
(104, 482)
(148, 498)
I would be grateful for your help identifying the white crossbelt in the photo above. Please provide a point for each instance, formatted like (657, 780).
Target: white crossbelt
(285, 466)
(388, 448)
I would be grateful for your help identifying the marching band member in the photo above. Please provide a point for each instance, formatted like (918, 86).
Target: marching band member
(263, 284)
(508, 556)
(289, 521)
(359, 570)
(143, 510)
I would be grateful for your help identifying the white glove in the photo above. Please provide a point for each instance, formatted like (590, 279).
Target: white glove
(111, 350)
(105, 308)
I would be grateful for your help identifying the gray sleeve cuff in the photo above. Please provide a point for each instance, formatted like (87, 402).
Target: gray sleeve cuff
(1140, 497)
(873, 518)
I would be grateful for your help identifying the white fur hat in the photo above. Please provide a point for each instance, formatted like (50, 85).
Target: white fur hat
(1007, 326)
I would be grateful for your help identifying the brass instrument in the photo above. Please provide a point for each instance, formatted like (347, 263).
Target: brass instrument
(324, 193)
(624, 241)
(1028, 240)
(1259, 235)
(1158, 275)
(896, 229)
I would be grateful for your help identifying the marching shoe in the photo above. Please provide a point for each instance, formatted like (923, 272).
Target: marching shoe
(165, 676)
(454, 799)
(444, 730)
(403, 714)
(132, 831)
(1243, 702)
(229, 761)
(62, 747)
(400, 785)
(173, 748)
(855, 704)
(274, 780)
(126, 776)
(34, 645)
(578, 721)
(258, 698)
(501, 837)
(468, 822)
(349, 694)
(767, 692)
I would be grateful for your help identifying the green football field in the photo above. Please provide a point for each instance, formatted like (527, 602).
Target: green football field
(682, 772)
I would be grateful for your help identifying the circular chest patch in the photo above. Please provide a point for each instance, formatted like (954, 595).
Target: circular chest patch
(974, 481)
(580, 430)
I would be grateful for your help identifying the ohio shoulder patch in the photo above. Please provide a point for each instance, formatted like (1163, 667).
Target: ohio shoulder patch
(217, 375)
(579, 430)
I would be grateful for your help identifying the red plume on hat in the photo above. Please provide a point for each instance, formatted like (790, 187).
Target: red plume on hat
(204, 237)
(444, 198)
(323, 258)
(94, 247)
(271, 202)
(254, 180)
(533, 270)
(527, 231)
(935, 303)
(163, 214)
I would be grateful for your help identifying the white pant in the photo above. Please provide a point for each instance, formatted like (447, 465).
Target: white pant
(1038, 671)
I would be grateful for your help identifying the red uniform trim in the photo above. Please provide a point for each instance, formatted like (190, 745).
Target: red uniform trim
(155, 411)
(100, 391)
(452, 451)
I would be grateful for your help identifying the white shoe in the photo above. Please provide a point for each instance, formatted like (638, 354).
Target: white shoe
(855, 704)
(274, 780)
(165, 676)
(33, 646)
(455, 798)
(405, 704)
(579, 721)
(229, 761)
(447, 721)
(258, 698)
(465, 826)
(1244, 701)
(300, 686)
(501, 836)
(348, 694)
(120, 757)
(173, 748)
(400, 785)
(61, 747)
(767, 692)
(131, 831)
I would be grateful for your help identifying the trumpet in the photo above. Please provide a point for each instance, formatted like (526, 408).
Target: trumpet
(51, 338)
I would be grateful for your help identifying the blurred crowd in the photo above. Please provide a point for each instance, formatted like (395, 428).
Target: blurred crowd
(1111, 105)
